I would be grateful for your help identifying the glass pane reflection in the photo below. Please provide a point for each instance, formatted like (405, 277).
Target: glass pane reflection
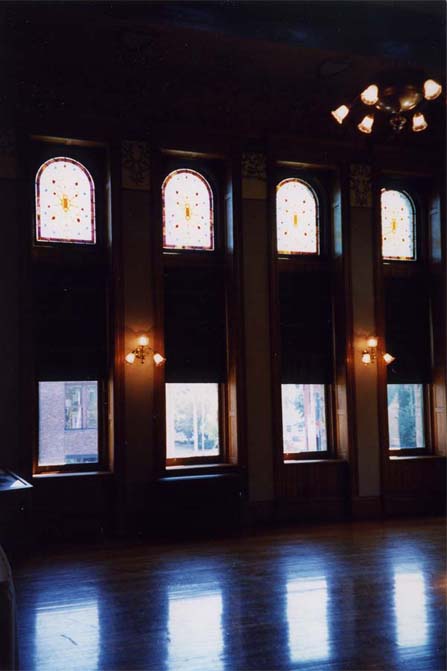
(68, 635)
(195, 629)
(307, 613)
(410, 607)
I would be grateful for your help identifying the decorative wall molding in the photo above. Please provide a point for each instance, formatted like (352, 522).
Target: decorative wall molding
(254, 176)
(8, 154)
(135, 165)
(360, 185)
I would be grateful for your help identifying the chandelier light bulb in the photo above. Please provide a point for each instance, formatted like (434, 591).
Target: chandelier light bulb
(432, 89)
(365, 126)
(419, 122)
(340, 113)
(143, 341)
(370, 95)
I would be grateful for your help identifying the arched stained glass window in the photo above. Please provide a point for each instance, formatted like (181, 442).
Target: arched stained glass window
(188, 217)
(296, 218)
(65, 202)
(398, 226)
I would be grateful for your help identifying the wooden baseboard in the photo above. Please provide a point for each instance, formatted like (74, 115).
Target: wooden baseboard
(366, 508)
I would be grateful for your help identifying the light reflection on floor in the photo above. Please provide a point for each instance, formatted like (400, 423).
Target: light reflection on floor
(410, 605)
(68, 632)
(307, 619)
(195, 627)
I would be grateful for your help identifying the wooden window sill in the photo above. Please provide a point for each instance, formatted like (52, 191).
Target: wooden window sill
(70, 474)
(313, 461)
(200, 469)
(411, 457)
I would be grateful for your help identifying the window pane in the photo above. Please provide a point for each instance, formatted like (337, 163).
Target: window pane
(303, 418)
(65, 202)
(192, 420)
(405, 416)
(187, 211)
(296, 218)
(68, 421)
(398, 241)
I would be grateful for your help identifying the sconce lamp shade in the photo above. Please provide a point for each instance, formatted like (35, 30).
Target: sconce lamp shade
(159, 360)
(366, 357)
(388, 358)
(372, 341)
(143, 341)
(130, 358)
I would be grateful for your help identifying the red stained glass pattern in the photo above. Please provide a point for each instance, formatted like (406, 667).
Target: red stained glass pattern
(296, 218)
(188, 217)
(398, 226)
(65, 202)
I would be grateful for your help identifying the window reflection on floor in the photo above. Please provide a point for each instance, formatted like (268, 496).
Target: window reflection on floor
(307, 617)
(410, 607)
(68, 635)
(195, 629)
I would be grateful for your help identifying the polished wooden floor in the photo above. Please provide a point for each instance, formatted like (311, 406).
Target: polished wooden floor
(352, 596)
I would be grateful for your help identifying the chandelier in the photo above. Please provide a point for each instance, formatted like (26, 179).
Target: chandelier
(401, 98)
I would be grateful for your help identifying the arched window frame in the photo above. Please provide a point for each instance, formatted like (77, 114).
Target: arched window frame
(67, 268)
(44, 240)
(223, 264)
(415, 271)
(318, 265)
(416, 242)
(279, 185)
(205, 182)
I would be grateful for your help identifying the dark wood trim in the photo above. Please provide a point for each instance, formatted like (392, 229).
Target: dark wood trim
(225, 183)
(324, 263)
(366, 507)
(159, 423)
(97, 257)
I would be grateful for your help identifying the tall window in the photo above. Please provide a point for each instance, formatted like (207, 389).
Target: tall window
(305, 324)
(398, 226)
(195, 317)
(70, 307)
(407, 322)
(65, 202)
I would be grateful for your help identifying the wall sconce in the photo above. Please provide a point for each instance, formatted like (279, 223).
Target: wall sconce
(369, 355)
(142, 350)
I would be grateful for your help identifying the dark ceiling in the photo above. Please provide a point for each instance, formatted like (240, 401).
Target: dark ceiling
(255, 66)
(411, 32)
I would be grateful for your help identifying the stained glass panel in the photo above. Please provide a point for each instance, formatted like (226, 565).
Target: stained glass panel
(65, 202)
(187, 211)
(296, 218)
(398, 235)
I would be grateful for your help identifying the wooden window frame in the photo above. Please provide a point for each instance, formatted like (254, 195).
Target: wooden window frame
(320, 262)
(96, 258)
(212, 169)
(103, 435)
(411, 268)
